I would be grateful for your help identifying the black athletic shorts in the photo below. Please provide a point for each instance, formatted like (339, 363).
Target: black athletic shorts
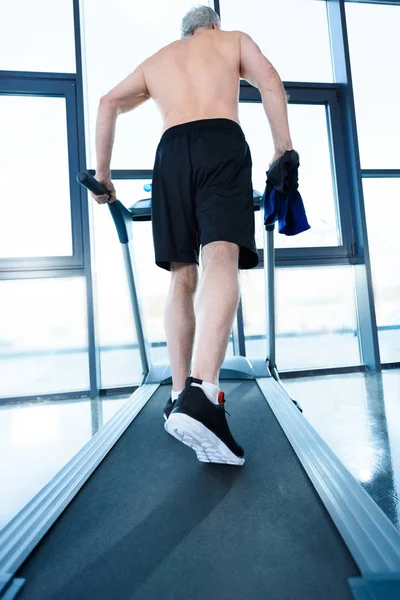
(202, 192)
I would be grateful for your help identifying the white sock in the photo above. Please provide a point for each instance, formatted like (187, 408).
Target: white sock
(174, 395)
(210, 389)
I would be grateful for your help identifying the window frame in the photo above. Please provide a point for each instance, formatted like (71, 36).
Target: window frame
(329, 96)
(388, 2)
(19, 83)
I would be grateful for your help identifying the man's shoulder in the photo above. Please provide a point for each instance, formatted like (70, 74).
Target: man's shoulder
(223, 34)
(237, 33)
(177, 44)
(164, 49)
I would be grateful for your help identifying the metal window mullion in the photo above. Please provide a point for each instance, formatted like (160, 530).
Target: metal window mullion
(368, 336)
(128, 174)
(311, 253)
(380, 173)
(339, 179)
(217, 7)
(131, 174)
(73, 168)
(87, 225)
(38, 75)
(44, 273)
(381, 2)
(30, 86)
(16, 264)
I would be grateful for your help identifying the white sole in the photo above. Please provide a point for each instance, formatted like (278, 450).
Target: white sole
(208, 447)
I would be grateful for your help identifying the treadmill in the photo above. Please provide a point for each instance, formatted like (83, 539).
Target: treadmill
(135, 516)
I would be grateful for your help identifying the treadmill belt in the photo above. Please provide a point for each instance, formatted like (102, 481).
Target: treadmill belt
(153, 523)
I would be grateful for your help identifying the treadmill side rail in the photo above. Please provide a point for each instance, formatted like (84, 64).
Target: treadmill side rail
(376, 587)
(370, 536)
(9, 587)
(22, 534)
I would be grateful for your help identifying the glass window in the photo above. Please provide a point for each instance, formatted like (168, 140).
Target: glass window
(136, 137)
(316, 325)
(43, 336)
(38, 440)
(119, 353)
(292, 34)
(252, 289)
(382, 205)
(374, 51)
(357, 416)
(37, 36)
(143, 28)
(337, 407)
(308, 125)
(35, 210)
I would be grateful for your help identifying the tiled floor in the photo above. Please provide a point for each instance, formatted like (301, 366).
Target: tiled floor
(358, 415)
(38, 438)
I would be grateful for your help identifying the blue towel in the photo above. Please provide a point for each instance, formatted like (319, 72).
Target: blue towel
(281, 199)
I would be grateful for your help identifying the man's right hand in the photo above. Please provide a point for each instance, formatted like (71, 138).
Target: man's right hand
(103, 198)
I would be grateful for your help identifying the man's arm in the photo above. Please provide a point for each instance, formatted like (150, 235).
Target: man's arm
(127, 95)
(257, 70)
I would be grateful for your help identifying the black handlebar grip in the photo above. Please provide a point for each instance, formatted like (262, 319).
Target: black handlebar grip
(91, 184)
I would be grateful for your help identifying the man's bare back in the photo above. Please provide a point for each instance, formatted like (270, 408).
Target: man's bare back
(196, 78)
(191, 79)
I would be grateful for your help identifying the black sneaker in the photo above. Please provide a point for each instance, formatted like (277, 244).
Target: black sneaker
(202, 425)
(168, 407)
(171, 404)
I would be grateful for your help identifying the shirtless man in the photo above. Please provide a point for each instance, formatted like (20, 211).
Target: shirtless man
(201, 197)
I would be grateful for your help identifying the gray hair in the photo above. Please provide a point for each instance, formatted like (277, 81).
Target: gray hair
(199, 16)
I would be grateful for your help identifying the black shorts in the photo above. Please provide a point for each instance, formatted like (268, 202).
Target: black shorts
(202, 192)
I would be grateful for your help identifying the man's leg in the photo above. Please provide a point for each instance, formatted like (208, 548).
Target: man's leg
(179, 321)
(195, 420)
(216, 304)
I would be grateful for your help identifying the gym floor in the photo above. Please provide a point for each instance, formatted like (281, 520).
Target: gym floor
(356, 414)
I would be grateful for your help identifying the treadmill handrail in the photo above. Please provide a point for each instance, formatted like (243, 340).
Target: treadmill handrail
(120, 214)
(123, 222)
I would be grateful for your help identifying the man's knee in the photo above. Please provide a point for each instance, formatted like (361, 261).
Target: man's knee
(184, 274)
(220, 252)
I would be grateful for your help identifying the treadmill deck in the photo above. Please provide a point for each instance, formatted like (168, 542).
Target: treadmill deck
(153, 523)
